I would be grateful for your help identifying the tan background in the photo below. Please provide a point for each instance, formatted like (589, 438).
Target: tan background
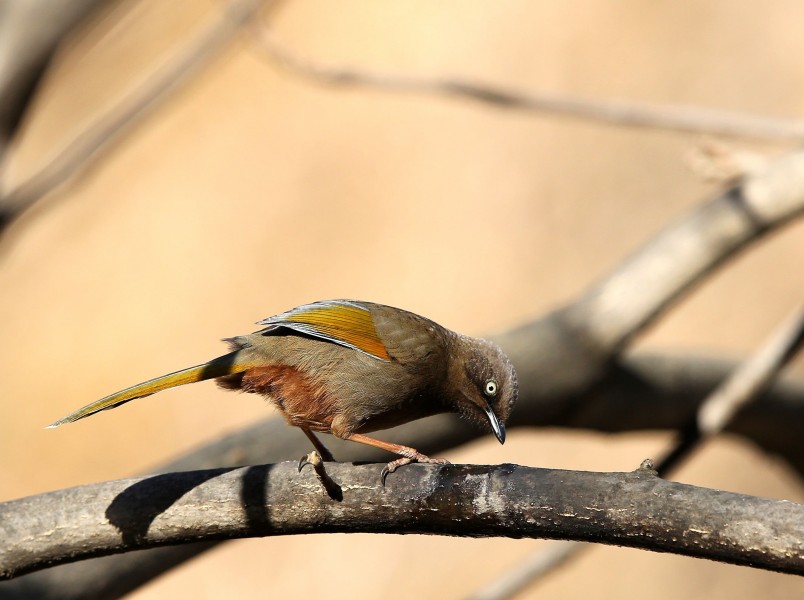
(252, 191)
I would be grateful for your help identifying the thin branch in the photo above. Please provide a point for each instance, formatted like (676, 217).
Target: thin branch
(636, 509)
(98, 138)
(30, 33)
(687, 119)
(742, 387)
(541, 563)
(738, 391)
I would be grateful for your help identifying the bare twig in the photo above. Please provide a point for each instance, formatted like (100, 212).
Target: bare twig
(687, 119)
(81, 153)
(89, 145)
(635, 509)
(557, 553)
(745, 385)
(721, 163)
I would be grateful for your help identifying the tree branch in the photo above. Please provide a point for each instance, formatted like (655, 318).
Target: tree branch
(687, 119)
(567, 352)
(630, 509)
(110, 128)
(557, 554)
(570, 372)
(643, 391)
(737, 391)
(612, 312)
(30, 33)
(569, 363)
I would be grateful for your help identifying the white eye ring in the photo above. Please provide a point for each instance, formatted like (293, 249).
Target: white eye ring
(491, 388)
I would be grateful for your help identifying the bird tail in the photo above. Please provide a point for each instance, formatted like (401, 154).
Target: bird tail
(228, 364)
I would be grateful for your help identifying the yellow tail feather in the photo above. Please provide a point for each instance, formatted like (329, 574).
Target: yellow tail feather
(217, 367)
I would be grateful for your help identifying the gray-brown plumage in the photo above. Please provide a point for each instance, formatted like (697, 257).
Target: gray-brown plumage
(350, 368)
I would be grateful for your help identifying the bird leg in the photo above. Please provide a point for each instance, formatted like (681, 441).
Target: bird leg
(316, 459)
(407, 453)
(323, 452)
(332, 489)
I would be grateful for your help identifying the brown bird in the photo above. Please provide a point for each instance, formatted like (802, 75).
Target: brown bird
(348, 368)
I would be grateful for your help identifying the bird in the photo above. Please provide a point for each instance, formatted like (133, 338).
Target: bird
(348, 368)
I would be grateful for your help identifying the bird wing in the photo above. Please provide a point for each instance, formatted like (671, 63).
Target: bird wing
(343, 322)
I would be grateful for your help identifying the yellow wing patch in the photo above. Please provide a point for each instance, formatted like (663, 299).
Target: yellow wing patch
(338, 321)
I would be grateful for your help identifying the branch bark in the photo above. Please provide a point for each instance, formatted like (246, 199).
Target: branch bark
(572, 372)
(630, 509)
(643, 391)
(570, 363)
(739, 390)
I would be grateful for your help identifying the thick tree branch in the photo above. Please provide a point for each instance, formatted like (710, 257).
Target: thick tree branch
(643, 391)
(740, 389)
(673, 384)
(613, 311)
(567, 352)
(630, 509)
(570, 372)
(569, 360)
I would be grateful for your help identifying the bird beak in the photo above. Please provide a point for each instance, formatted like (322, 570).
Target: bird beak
(499, 428)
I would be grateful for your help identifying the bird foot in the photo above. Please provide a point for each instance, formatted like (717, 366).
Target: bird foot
(406, 460)
(314, 459)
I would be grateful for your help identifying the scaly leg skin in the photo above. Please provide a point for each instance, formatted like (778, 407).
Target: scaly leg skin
(332, 489)
(324, 453)
(408, 454)
(316, 459)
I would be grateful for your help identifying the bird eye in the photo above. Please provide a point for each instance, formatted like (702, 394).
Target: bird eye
(491, 388)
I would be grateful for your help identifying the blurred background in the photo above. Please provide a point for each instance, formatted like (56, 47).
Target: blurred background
(251, 191)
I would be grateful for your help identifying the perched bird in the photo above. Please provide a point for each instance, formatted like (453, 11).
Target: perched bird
(348, 368)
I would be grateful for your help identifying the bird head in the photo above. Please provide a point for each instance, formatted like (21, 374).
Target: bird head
(483, 384)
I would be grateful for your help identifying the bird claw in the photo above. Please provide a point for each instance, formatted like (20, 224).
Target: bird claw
(406, 460)
(393, 466)
(313, 459)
